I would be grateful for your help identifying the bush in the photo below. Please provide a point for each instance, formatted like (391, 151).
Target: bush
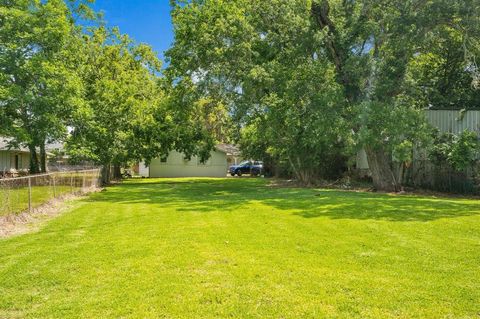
(458, 151)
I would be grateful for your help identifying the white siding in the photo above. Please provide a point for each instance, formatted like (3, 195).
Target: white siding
(143, 170)
(7, 160)
(178, 166)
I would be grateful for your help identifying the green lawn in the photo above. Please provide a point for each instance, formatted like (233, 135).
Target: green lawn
(236, 248)
(15, 200)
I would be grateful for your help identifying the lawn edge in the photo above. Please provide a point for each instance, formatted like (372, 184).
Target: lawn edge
(17, 224)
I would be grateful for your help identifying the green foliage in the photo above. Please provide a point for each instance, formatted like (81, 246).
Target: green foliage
(392, 58)
(122, 99)
(459, 151)
(289, 68)
(392, 129)
(439, 75)
(302, 123)
(57, 74)
(38, 87)
(258, 57)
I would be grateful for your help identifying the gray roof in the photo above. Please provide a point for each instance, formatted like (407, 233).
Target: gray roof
(229, 149)
(4, 146)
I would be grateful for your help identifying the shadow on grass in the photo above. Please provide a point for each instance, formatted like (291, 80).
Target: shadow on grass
(227, 195)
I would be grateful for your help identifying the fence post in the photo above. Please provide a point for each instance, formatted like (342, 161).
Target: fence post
(83, 185)
(54, 186)
(71, 183)
(29, 195)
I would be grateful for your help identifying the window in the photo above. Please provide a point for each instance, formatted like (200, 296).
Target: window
(245, 163)
(17, 162)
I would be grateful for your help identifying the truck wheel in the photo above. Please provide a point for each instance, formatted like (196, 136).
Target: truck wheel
(239, 173)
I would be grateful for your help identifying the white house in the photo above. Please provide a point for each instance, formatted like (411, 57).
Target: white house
(15, 159)
(176, 165)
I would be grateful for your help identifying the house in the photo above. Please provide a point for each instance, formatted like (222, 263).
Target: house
(176, 165)
(233, 153)
(13, 159)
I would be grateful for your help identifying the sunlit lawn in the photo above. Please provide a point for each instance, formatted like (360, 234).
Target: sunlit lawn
(206, 248)
(15, 200)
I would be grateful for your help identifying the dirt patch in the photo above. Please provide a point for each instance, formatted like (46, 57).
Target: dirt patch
(26, 222)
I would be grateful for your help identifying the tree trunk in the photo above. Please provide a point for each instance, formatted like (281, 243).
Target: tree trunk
(400, 175)
(34, 167)
(43, 158)
(306, 175)
(106, 174)
(295, 170)
(303, 175)
(117, 172)
(382, 173)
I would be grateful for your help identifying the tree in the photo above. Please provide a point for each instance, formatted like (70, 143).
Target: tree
(302, 121)
(258, 57)
(440, 76)
(130, 113)
(459, 151)
(37, 85)
(380, 50)
(121, 89)
(372, 44)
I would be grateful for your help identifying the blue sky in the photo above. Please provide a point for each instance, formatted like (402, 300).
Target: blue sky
(146, 21)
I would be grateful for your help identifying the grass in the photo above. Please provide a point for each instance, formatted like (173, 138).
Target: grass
(204, 248)
(15, 200)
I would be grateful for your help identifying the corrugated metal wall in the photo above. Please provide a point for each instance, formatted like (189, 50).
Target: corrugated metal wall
(443, 177)
(453, 121)
(422, 172)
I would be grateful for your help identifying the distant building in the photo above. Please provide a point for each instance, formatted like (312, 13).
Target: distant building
(177, 165)
(17, 159)
(13, 159)
(234, 156)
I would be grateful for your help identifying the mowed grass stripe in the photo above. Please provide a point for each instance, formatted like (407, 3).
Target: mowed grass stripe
(183, 248)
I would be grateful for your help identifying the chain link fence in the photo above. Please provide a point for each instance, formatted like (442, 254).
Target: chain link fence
(443, 178)
(25, 194)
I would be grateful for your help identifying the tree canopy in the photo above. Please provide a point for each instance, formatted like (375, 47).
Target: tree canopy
(37, 87)
(90, 86)
(301, 84)
(288, 68)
